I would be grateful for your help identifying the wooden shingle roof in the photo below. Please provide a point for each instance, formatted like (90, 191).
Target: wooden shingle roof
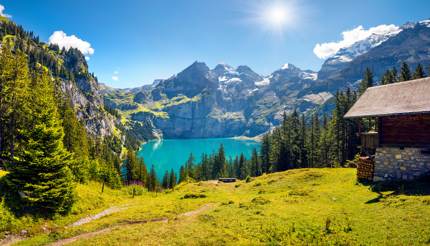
(409, 97)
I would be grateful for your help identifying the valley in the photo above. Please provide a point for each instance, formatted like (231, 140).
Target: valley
(210, 153)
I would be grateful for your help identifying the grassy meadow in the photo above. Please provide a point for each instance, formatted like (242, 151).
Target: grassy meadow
(300, 207)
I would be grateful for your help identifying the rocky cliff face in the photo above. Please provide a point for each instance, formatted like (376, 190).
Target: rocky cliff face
(70, 69)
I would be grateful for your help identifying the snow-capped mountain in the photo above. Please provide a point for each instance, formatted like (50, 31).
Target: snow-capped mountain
(231, 101)
(347, 54)
(410, 44)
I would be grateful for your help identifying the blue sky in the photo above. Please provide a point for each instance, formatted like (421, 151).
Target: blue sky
(137, 41)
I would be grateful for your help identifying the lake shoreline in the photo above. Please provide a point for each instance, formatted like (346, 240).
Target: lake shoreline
(168, 154)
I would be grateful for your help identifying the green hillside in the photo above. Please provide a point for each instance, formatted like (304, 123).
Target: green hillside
(304, 206)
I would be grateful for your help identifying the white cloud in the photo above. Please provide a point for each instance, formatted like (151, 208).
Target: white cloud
(115, 76)
(2, 13)
(349, 37)
(61, 39)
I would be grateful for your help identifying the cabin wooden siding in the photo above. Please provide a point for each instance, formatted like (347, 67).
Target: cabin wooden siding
(405, 130)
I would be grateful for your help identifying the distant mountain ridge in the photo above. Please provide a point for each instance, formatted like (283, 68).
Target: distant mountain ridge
(230, 101)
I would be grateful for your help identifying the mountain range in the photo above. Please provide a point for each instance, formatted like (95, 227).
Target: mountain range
(231, 101)
(223, 101)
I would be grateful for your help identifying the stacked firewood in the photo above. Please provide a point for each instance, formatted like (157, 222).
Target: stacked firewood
(365, 168)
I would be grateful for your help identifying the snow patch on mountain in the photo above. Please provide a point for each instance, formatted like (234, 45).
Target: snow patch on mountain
(264, 82)
(285, 66)
(425, 22)
(319, 98)
(233, 80)
(309, 75)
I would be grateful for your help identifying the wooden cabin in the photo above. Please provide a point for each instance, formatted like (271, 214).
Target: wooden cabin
(401, 140)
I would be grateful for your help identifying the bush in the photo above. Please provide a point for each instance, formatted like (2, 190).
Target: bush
(193, 196)
(260, 200)
(137, 189)
(248, 179)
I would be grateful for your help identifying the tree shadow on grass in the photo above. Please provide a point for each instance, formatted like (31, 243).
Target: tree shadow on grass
(419, 187)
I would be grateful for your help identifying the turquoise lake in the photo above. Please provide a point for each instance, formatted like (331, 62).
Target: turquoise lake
(166, 154)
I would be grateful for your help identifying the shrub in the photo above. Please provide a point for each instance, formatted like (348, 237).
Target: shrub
(248, 179)
(193, 196)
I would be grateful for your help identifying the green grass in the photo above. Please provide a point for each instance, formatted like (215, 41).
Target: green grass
(306, 206)
(157, 108)
(2, 173)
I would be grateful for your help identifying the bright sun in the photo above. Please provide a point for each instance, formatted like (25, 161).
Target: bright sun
(276, 15)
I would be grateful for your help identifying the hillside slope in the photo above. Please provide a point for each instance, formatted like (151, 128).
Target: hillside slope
(304, 206)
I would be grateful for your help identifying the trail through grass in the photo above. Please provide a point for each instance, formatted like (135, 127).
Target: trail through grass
(306, 206)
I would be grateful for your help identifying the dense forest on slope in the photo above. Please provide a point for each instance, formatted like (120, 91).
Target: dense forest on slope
(47, 139)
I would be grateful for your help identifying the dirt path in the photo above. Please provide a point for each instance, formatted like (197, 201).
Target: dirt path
(11, 239)
(103, 213)
(129, 222)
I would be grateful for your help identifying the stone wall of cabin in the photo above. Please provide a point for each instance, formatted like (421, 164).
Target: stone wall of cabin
(394, 163)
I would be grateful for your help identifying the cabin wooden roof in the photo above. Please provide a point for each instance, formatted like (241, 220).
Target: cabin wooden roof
(409, 97)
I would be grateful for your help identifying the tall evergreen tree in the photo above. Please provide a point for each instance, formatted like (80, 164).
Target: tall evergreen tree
(220, 162)
(166, 180)
(367, 80)
(419, 72)
(143, 171)
(182, 174)
(389, 77)
(255, 164)
(265, 153)
(189, 166)
(242, 167)
(131, 166)
(152, 179)
(405, 72)
(39, 179)
(172, 179)
(14, 98)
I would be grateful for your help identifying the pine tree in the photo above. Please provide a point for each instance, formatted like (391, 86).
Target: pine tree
(302, 143)
(389, 77)
(205, 172)
(14, 93)
(314, 140)
(265, 153)
(367, 81)
(166, 180)
(172, 179)
(182, 174)
(189, 166)
(405, 72)
(219, 164)
(255, 164)
(419, 72)
(39, 180)
(131, 166)
(152, 179)
(75, 141)
(242, 167)
(143, 171)
(295, 140)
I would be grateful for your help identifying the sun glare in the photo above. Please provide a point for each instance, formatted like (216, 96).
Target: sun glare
(277, 16)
